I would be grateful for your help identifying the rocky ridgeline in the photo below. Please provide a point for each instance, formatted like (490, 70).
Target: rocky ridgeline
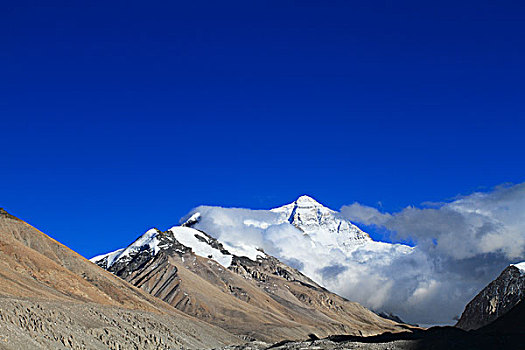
(258, 270)
(268, 265)
(495, 300)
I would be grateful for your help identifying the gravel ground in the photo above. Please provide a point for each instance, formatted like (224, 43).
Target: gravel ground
(30, 325)
(327, 344)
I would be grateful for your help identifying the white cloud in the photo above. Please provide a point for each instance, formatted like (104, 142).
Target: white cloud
(492, 222)
(461, 246)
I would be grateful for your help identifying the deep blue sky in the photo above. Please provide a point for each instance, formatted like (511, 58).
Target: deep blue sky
(117, 116)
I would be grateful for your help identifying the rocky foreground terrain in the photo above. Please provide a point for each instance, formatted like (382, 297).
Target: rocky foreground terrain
(29, 324)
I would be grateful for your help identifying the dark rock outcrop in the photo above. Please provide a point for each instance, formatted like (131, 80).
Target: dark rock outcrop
(495, 300)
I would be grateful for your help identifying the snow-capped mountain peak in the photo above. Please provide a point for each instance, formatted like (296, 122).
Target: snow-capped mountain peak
(321, 223)
(179, 239)
(303, 202)
(307, 201)
(148, 241)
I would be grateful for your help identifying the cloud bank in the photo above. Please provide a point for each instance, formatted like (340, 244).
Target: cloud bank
(460, 247)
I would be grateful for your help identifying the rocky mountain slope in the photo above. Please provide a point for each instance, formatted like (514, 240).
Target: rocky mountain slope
(496, 299)
(248, 293)
(53, 298)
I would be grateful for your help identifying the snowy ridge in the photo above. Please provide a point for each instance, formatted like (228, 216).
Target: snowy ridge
(110, 256)
(154, 241)
(148, 241)
(520, 266)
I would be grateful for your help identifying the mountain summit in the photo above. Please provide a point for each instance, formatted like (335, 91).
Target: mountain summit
(306, 201)
(324, 225)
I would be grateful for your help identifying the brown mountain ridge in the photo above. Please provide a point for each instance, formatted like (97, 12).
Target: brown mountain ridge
(53, 298)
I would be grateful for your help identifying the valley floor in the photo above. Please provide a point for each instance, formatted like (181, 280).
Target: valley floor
(328, 345)
(496, 336)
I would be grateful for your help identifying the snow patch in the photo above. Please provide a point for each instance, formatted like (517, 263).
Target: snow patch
(187, 237)
(244, 250)
(192, 219)
(254, 223)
